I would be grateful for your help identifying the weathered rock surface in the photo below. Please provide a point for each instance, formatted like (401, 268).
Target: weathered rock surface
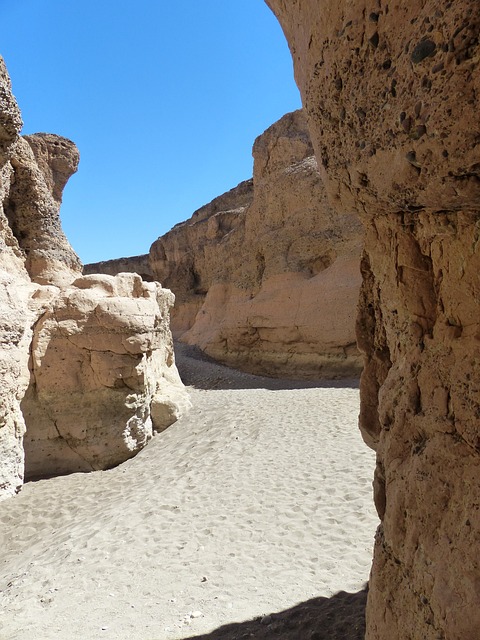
(86, 364)
(103, 375)
(392, 91)
(266, 276)
(42, 164)
(15, 316)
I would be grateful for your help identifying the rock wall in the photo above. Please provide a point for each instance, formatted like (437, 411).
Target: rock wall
(15, 315)
(266, 277)
(133, 264)
(391, 90)
(86, 364)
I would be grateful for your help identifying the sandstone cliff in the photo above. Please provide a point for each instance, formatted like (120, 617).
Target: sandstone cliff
(391, 91)
(86, 364)
(266, 277)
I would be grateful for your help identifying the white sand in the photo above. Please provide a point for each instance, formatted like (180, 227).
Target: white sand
(258, 500)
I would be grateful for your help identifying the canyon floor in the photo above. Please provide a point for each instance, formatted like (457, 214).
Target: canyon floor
(251, 517)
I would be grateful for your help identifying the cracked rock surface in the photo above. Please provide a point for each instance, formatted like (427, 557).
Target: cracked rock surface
(391, 91)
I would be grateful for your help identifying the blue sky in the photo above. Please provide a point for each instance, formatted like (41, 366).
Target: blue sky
(163, 99)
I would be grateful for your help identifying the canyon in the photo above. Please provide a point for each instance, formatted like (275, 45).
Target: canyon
(266, 276)
(389, 136)
(391, 92)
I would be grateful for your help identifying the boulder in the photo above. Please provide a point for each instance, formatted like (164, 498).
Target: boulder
(391, 93)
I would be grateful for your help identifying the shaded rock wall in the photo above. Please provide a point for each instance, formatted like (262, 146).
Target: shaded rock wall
(392, 91)
(266, 277)
(86, 364)
(133, 264)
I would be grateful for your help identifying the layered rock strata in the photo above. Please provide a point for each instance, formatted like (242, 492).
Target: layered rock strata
(266, 276)
(86, 364)
(391, 92)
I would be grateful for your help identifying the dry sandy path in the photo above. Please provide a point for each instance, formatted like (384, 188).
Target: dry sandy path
(257, 500)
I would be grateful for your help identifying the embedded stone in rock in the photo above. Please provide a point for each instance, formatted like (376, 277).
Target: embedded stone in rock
(424, 49)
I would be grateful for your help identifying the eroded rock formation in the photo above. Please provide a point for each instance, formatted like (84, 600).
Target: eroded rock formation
(16, 317)
(86, 363)
(103, 375)
(266, 276)
(391, 91)
(42, 164)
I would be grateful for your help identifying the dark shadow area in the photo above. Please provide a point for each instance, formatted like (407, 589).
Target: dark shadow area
(341, 617)
(213, 375)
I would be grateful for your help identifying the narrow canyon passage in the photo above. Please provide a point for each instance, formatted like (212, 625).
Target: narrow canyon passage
(257, 500)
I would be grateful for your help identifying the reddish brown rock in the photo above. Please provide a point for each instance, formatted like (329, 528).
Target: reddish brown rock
(392, 97)
(266, 277)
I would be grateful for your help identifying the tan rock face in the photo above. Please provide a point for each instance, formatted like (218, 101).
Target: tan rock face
(102, 355)
(42, 164)
(86, 364)
(266, 276)
(15, 316)
(391, 92)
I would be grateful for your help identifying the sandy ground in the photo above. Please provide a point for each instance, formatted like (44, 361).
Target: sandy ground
(250, 512)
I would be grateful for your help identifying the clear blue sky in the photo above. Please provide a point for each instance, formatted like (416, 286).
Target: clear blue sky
(163, 99)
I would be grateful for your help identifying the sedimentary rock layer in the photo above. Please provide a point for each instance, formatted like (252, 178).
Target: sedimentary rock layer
(266, 276)
(391, 92)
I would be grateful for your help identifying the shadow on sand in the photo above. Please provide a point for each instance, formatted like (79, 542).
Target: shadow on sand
(341, 617)
(199, 370)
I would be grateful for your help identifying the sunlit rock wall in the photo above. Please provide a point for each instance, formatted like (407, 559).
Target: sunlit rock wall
(267, 276)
